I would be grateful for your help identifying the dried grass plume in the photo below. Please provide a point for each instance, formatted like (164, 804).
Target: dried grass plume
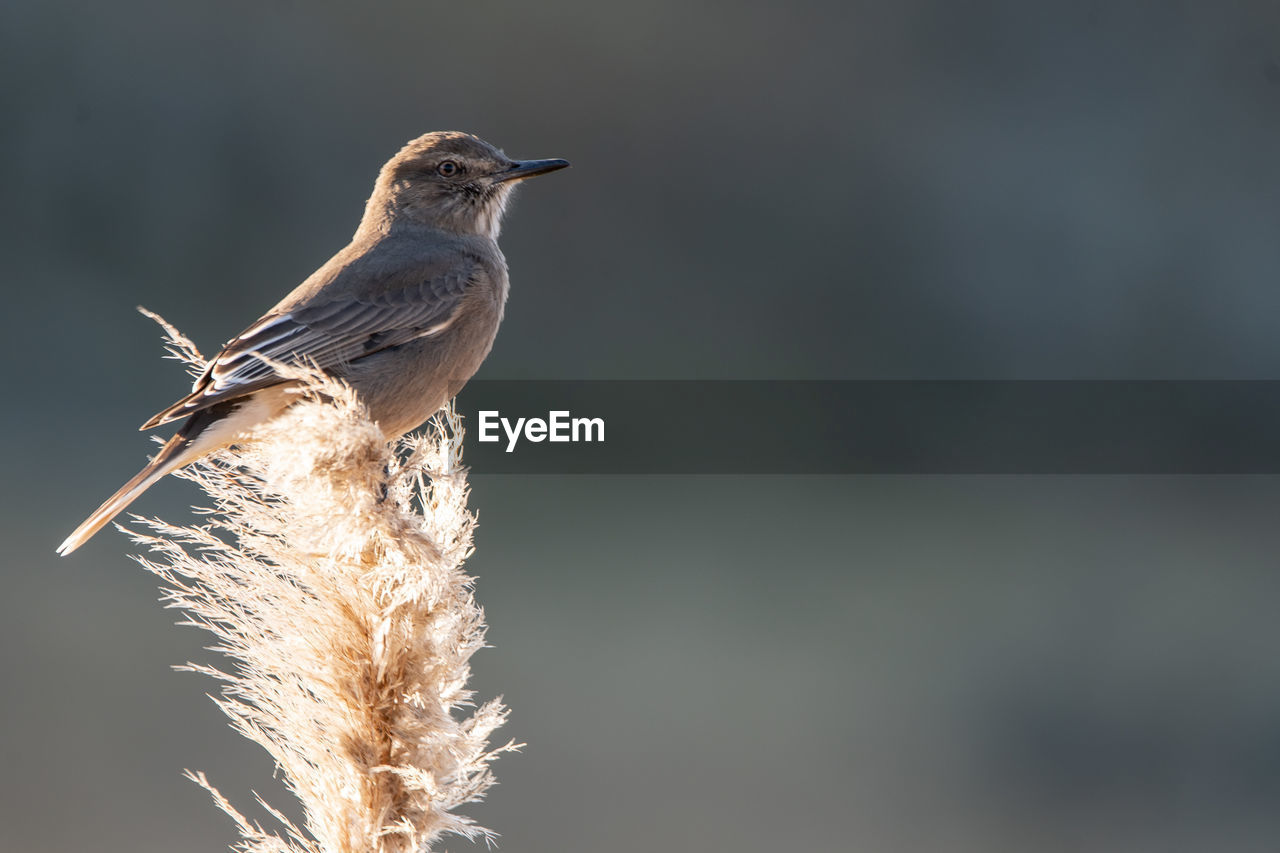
(329, 570)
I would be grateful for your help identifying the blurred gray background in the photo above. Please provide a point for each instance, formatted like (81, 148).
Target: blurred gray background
(910, 189)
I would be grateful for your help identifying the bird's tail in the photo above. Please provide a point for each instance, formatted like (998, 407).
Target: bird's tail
(205, 431)
(170, 458)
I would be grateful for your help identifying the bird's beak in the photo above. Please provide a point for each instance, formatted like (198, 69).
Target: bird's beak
(522, 169)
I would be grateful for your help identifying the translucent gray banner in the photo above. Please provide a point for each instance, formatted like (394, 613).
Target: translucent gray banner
(872, 427)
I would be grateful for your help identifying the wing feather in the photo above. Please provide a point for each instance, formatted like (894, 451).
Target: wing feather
(332, 332)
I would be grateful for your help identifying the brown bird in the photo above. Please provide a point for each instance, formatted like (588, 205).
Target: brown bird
(405, 313)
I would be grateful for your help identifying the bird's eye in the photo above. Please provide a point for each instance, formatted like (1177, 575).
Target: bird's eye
(448, 169)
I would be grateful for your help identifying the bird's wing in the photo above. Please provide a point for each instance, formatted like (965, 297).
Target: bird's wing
(330, 332)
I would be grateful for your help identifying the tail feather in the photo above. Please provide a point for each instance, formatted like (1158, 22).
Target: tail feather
(178, 410)
(205, 431)
(170, 458)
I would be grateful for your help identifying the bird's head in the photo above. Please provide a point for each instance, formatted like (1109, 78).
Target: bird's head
(450, 180)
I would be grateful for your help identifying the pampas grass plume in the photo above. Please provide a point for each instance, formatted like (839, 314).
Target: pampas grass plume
(329, 571)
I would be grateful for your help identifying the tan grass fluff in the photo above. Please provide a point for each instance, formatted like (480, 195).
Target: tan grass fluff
(330, 572)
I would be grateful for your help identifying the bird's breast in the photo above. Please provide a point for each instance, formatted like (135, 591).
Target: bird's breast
(405, 385)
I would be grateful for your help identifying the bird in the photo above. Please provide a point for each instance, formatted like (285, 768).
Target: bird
(404, 314)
